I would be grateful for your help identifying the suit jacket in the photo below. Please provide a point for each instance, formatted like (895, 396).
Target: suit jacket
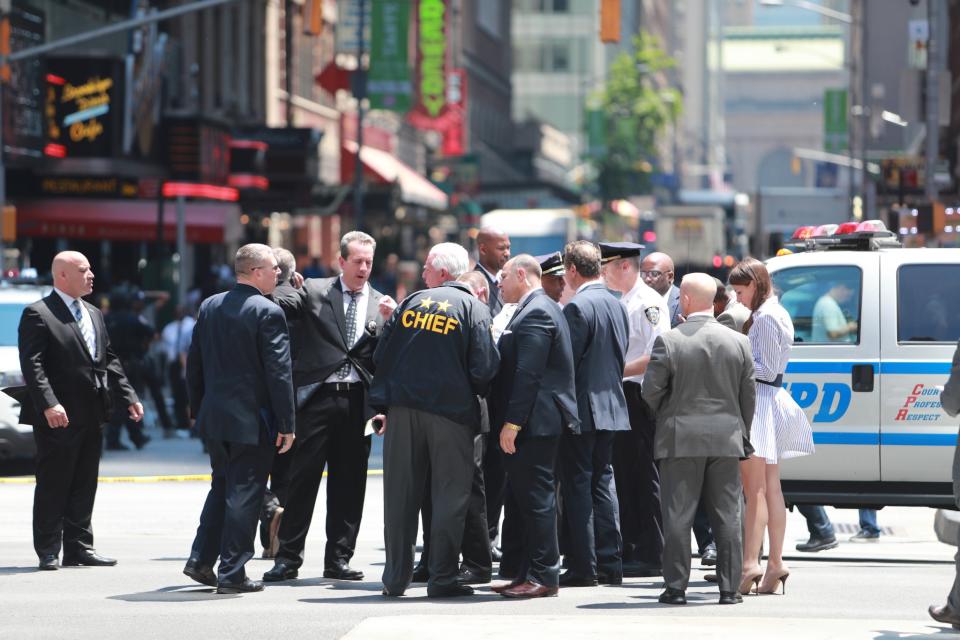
(318, 333)
(599, 334)
(494, 301)
(238, 368)
(734, 316)
(673, 304)
(534, 387)
(58, 369)
(700, 386)
(950, 396)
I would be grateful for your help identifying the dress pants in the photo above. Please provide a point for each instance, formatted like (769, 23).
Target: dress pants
(953, 599)
(329, 434)
(684, 481)
(417, 442)
(638, 483)
(475, 548)
(228, 522)
(494, 481)
(68, 461)
(590, 504)
(530, 482)
(178, 385)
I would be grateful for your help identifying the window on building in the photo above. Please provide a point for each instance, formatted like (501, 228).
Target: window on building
(928, 303)
(823, 302)
(489, 16)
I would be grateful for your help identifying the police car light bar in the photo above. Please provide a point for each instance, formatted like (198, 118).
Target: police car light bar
(868, 235)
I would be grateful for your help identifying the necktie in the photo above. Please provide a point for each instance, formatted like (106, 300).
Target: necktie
(351, 330)
(85, 329)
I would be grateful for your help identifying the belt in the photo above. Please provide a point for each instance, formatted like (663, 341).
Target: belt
(776, 382)
(341, 386)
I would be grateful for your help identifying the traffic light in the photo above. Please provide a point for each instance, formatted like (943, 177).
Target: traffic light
(313, 17)
(5, 48)
(609, 21)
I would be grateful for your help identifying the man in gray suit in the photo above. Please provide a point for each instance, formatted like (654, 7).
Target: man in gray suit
(699, 384)
(727, 310)
(950, 400)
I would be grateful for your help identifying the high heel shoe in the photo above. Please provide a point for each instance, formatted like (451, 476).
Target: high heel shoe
(777, 581)
(750, 581)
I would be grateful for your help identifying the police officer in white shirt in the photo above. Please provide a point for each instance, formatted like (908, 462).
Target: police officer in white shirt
(635, 472)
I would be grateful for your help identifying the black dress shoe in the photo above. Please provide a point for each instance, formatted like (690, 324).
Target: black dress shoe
(945, 615)
(709, 557)
(420, 573)
(116, 446)
(200, 573)
(609, 578)
(728, 597)
(247, 586)
(673, 596)
(342, 572)
(142, 442)
(49, 563)
(641, 570)
(450, 591)
(570, 579)
(473, 576)
(87, 559)
(818, 544)
(281, 571)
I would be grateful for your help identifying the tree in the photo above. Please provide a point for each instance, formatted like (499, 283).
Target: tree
(632, 111)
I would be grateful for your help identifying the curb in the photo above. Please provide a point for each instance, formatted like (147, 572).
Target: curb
(149, 479)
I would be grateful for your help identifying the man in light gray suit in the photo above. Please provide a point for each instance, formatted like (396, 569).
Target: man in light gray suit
(699, 384)
(950, 401)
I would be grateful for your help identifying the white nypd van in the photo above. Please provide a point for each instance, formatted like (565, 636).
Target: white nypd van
(869, 379)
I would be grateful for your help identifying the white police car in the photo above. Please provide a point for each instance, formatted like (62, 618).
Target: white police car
(16, 440)
(876, 328)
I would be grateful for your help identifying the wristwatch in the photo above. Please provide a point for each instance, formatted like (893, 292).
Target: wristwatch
(511, 426)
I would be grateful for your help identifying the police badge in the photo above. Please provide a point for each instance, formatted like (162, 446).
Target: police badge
(653, 314)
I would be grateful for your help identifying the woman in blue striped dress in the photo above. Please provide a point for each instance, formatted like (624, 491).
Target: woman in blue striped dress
(780, 429)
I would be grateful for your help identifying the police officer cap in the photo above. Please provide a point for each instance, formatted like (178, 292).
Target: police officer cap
(551, 264)
(610, 251)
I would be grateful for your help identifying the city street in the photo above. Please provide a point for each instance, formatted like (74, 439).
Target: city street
(874, 590)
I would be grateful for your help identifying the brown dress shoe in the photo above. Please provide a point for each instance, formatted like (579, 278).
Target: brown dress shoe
(530, 589)
(945, 614)
(503, 586)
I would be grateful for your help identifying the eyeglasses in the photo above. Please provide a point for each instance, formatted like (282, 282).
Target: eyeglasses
(275, 267)
(651, 274)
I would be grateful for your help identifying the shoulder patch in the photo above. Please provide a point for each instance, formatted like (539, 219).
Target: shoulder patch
(653, 314)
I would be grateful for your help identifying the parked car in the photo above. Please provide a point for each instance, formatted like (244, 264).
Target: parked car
(16, 440)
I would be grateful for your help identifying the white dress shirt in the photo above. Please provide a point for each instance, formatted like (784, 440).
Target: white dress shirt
(362, 300)
(644, 305)
(86, 319)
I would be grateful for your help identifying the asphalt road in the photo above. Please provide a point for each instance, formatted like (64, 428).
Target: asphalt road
(875, 590)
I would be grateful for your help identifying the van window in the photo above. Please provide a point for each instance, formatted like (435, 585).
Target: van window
(928, 303)
(823, 301)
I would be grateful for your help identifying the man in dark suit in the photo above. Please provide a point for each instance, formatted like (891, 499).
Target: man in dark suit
(950, 401)
(598, 334)
(699, 384)
(239, 383)
(493, 251)
(71, 375)
(336, 325)
(435, 358)
(534, 401)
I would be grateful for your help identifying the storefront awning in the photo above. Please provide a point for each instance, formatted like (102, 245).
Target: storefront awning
(414, 188)
(133, 220)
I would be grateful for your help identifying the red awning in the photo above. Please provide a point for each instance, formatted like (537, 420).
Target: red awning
(414, 188)
(134, 220)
